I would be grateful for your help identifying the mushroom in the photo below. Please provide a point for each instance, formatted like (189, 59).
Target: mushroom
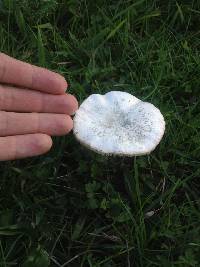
(118, 123)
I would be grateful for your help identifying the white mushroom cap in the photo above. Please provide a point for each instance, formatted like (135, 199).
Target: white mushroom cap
(118, 123)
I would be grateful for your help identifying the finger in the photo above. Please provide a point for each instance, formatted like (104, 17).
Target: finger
(26, 123)
(13, 71)
(22, 146)
(23, 100)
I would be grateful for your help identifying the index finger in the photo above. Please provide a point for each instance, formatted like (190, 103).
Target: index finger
(15, 72)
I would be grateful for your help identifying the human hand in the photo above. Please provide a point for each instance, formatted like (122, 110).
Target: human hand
(33, 107)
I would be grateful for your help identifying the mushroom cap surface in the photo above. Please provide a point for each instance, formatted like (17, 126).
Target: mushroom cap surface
(118, 123)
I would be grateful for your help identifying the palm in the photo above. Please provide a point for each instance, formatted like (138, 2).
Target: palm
(33, 107)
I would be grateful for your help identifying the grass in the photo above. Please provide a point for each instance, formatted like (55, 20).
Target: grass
(73, 207)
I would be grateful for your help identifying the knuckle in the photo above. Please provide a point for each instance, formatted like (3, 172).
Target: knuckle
(36, 123)
(7, 98)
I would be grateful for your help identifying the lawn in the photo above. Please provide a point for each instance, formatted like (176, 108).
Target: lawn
(73, 207)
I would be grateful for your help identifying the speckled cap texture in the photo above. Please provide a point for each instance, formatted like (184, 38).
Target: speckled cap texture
(118, 123)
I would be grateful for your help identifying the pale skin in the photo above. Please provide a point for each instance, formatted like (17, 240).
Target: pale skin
(33, 107)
